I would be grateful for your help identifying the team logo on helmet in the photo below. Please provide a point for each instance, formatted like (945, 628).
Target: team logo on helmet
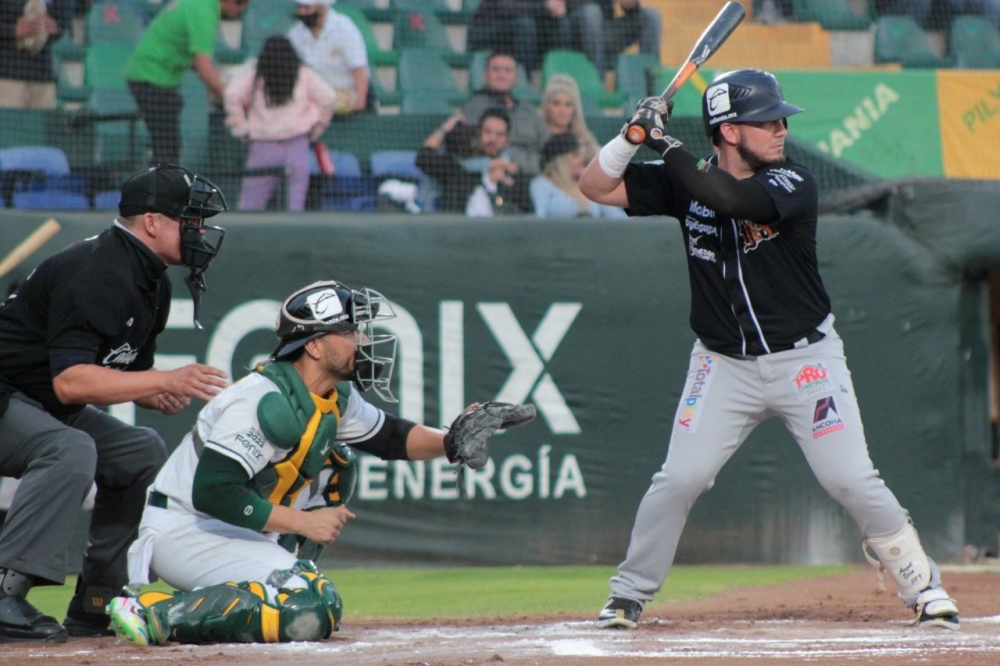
(326, 306)
(718, 99)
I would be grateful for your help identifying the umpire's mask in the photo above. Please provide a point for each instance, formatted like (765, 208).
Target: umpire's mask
(329, 307)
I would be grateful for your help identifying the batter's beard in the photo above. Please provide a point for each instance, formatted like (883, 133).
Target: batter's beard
(755, 161)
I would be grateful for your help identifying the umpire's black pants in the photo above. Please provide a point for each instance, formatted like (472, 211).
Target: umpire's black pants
(57, 462)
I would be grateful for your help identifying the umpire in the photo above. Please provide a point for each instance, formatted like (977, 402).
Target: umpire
(78, 334)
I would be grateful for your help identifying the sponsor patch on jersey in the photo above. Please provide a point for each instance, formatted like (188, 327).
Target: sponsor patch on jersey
(699, 252)
(251, 445)
(826, 419)
(695, 393)
(754, 234)
(783, 178)
(811, 380)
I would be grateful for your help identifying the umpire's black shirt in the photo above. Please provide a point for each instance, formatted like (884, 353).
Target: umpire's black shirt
(100, 301)
(755, 288)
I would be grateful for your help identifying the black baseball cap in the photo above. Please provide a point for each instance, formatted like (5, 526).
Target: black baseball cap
(171, 190)
(558, 144)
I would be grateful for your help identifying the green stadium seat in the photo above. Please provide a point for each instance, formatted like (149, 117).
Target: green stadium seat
(424, 70)
(577, 65)
(635, 75)
(974, 43)
(113, 22)
(832, 14)
(417, 27)
(104, 64)
(426, 102)
(522, 89)
(898, 39)
(263, 19)
(377, 56)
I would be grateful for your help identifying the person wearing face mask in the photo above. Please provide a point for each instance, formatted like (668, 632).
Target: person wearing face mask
(333, 46)
(79, 333)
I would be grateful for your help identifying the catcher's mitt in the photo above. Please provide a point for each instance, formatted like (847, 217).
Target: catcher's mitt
(467, 442)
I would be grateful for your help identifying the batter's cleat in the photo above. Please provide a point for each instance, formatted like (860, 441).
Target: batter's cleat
(934, 608)
(619, 613)
(128, 621)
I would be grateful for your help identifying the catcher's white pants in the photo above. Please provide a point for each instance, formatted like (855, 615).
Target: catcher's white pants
(189, 551)
(724, 399)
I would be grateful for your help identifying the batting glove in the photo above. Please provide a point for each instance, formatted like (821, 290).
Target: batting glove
(653, 114)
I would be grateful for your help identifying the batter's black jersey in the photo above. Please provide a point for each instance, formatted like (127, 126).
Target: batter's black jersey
(755, 288)
(101, 301)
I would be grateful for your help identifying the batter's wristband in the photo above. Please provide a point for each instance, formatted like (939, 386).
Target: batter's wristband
(615, 156)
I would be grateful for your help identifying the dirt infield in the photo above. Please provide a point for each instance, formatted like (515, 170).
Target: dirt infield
(835, 620)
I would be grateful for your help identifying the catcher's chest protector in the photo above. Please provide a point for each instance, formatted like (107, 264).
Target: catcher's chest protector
(300, 422)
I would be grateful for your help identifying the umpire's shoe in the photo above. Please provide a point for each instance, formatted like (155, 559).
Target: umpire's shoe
(86, 616)
(19, 620)
(619, 613)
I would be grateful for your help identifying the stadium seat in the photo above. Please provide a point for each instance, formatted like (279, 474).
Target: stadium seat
(422, 69)
(577, 65)
(104, 65)
(113, 21)
(833, 14)
(395, 164)
(898, 39)
(107, 200)
(635, 76)
(427, 102)
(974, 43)
(51, 200)
(417, 27)
(347, 189)
(120, 135)
(522, 89)
(377, 56)
(40, 170)
(263, 19)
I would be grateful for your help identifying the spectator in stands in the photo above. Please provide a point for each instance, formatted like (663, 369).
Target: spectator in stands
(332, 45)
(602, 36)
(27, 31)
(181, 37)
(452, 155)
(527, 128)
(556, 191)
(562, 109)
(280, 106)
(523, 28)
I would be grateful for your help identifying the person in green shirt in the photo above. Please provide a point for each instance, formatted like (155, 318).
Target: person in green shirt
(181, 37)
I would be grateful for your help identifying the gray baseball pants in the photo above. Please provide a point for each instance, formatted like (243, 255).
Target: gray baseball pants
(724, 399)
(57, 462)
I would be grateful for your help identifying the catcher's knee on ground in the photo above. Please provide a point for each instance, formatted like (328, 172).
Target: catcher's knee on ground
(245, 612)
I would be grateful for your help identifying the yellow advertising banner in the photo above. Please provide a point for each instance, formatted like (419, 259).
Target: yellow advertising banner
(969, 107)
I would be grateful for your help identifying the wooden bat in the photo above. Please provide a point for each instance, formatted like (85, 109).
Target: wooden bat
(29, 245)
(715, 35)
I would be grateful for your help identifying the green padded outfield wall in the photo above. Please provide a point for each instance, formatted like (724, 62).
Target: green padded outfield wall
(588, 321)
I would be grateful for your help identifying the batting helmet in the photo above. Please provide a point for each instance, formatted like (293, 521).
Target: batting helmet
(744, 96)
(329, 307)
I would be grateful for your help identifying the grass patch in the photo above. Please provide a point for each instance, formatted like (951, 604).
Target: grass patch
(466, 592)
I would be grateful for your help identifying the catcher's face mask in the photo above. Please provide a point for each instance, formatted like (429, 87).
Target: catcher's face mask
(328, 307)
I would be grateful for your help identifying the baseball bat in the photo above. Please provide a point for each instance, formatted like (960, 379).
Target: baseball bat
(29, 246)
(711, 40)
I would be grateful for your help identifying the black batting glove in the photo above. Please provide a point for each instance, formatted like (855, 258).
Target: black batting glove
(652, 114)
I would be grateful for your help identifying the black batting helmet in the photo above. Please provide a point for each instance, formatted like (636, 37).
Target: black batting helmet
(744, 96)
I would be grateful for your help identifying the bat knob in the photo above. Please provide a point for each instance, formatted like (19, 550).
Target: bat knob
(635, 135)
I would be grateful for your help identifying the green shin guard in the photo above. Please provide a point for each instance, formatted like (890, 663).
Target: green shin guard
(241, 613)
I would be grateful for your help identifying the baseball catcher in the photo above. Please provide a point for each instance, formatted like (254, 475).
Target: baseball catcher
(273, 455)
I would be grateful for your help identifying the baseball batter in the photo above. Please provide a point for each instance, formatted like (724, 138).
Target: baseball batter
(271, 455)
(766, 342)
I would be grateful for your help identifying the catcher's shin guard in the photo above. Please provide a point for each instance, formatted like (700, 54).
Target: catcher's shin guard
(243, 613)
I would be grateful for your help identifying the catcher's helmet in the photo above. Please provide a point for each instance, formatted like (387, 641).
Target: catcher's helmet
(328, 307)
(744, 96)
